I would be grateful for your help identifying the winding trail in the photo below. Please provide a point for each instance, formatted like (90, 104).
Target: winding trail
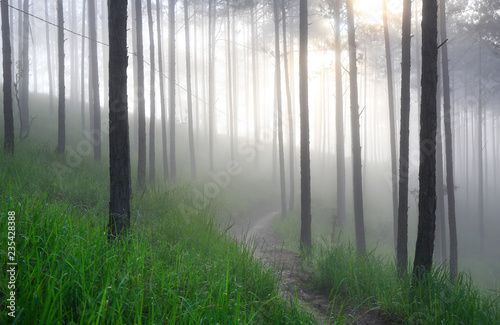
(295, 279)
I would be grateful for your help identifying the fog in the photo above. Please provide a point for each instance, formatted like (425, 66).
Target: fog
(246, 149)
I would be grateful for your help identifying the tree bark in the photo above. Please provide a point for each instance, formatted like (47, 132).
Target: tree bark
(61, 127)
(189, 95)
(95, 132)
(450, 183)
(8, 114)
(171, 84)
(152, 96)
(404, 146)
(277, 72)
(305, 162)
(392, 128)
(119, 146)
(141, 168)
(356, 146)
(290, 113)
(162, 92)
(339, 119)
(427, 169)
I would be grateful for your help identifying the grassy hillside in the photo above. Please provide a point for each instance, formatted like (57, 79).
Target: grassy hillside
(178, 265)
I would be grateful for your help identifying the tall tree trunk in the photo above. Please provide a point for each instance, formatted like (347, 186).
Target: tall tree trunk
(339, 118)
(211, 81)
(440, 240)
(255, 81)
(171, 84)
(61, 127)
(356, 146)
(450, 183)
(49, 61)
(152, 96)
(82, 68)
(162, 92)
(305, 162)
(24, 111)
(119, 146)
(480, 198)
(427, 169)
(290, 113)
(189, 95)
(279, 106)
(73, 56)
(95, 132)
(392, 127)
(404, 146)
(229, 105)
(141, 168)
(235, 82)
(8, 144)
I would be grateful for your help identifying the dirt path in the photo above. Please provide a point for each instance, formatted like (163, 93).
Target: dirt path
(295, 279)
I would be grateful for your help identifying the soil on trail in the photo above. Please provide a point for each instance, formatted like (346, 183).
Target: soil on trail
(296, 281)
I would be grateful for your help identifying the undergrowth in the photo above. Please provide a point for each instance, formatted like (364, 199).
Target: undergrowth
(177, 265)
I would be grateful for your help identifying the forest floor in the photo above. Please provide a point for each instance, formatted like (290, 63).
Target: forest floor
(296, 279)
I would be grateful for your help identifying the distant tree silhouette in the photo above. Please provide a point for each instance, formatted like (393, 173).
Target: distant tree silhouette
(141, 166)
(8, 115)
(152, 96)
(61, 126)
(95, 105)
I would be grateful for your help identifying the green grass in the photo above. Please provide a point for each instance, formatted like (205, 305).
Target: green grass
(371, 282)
(177, 265)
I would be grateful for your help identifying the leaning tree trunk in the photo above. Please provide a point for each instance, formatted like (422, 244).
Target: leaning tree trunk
(8, 114)
(305, 162)
(450, 184)
(141, 168)
(356, 145)
(61, 127)
(95, 132)
(152, 96)
(428, 125)
(189, 95)
(392, 128)
(119, 146)
(404, 146)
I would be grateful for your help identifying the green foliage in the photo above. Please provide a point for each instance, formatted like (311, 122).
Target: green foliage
(175, 266)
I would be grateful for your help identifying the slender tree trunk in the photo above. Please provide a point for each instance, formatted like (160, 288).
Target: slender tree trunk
(8, 144)
(162, 92)
(82, 68)
(49, 61)
(229, 105)
(235, 82)
(152, 96)
(171, 84)
(279, 106)
(404, 146)
(427, 173)
(73, 56)
(440, 240)
(95, 132)
(480, 198)
(119, 146)
(290, 113)
(211, 81)
(339, 119)
(61, 127)
(24, 111)
(392, 127)
(141, 168)
(189, 95)
(255, 80)
(305, 163)
(356, 146)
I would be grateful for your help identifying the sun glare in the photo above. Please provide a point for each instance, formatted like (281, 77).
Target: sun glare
(371, 10)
